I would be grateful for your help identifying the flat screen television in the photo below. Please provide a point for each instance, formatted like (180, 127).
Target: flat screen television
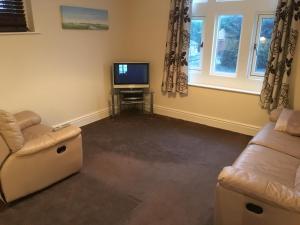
(131, 75)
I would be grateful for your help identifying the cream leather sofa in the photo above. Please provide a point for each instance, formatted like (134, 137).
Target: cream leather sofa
(262, 187)
(33, 156)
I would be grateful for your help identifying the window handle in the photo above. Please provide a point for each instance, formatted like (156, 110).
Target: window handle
(202, 44)
(255, 47)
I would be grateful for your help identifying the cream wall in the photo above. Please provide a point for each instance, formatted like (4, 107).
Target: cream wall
(65, 74)
(61, 74)
(234, 111)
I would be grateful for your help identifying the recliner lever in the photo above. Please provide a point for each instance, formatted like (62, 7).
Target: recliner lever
(61, 149)
(254, 208)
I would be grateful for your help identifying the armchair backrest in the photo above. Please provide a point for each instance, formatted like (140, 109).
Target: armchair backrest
(10, 131)
(4, 150)
(27, 119)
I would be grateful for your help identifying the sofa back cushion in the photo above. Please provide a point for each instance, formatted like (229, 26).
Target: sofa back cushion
(289, 122)
(10, 131)
(277, 140)
(274, 115)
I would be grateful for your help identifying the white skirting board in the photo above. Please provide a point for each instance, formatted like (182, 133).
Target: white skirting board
(87, 119)
(174, 113)
(207, 120)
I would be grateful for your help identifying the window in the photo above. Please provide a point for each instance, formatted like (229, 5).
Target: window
(196, 43)
(200, 1)
(229, 29)
(229, 0)
(123, 69)
(227, 44)
(262, 43)
(16, 16)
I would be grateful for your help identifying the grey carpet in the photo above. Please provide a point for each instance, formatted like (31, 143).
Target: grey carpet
(138, 170)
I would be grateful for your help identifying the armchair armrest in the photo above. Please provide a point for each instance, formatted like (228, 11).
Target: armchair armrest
(27, 119)
(48, 140)
(260, 187)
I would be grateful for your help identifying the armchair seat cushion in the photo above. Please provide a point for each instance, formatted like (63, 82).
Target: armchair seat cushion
(35, 132)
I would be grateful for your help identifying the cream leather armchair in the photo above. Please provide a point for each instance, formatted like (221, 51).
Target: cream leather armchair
(34, 156)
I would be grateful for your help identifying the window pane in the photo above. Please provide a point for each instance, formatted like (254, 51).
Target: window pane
(227, 44)
(196, 44)
(263, 44)
(230, 0)
(200, 1)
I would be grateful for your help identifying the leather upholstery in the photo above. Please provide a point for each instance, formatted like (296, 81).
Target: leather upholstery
(277, 141)
(231, 210)
(35, 132)
(261, 188)
(265, 162)
(4, 150)
(274, 115)
(267, 174)
(289, 122)
(21, 176)
(297, 180)
(45, 158)
(48, 140)
(27, 119)
(10, 131)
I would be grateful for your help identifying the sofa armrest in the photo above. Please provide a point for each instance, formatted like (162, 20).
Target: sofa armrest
(27, 119)
(260, 187)
(48, 140)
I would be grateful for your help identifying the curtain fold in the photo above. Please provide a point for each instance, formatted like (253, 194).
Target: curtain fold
(275, 91)
(175, 78)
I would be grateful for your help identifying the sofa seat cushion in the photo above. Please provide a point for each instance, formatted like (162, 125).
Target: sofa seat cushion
(35, 132)
(265, 162)
(278, 141)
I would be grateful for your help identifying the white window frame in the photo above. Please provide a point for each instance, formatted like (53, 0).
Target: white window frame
(254, 45)
(242, 82)
(213, 72)
(203, 41)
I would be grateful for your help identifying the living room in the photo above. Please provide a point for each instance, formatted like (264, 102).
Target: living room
(64, 75)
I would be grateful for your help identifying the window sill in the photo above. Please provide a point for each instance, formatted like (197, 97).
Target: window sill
(225, 89)
(19, 33)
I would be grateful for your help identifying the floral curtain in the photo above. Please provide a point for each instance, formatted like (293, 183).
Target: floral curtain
(175, 77)
(276, 83)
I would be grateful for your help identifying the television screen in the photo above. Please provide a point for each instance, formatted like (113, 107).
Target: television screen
(131, 73)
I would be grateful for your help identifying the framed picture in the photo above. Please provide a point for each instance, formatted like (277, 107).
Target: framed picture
(79, 18)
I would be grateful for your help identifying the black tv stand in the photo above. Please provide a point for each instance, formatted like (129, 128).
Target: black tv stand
(132, 96)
